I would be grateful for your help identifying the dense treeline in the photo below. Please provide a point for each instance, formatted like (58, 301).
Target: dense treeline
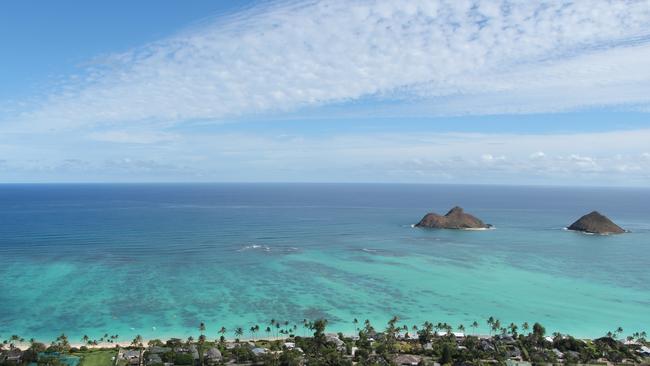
(396, 343)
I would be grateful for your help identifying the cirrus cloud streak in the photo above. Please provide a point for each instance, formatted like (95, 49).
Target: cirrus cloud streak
(424, 57)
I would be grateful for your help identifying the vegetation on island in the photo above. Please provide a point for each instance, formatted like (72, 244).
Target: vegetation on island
(282, 343)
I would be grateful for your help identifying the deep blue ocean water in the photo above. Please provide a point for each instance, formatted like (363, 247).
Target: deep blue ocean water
(158, 259)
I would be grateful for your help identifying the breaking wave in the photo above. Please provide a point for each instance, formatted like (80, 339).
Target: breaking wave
(268, 249)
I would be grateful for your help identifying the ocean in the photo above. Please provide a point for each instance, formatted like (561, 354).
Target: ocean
(159, 259)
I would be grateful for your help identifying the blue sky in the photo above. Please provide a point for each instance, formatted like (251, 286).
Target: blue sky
(49, 39)
(493, 92)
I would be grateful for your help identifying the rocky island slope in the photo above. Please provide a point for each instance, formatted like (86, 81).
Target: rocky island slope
(596, 223)
(456, 218)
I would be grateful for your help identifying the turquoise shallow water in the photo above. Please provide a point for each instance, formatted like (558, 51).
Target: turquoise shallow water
(157, 260)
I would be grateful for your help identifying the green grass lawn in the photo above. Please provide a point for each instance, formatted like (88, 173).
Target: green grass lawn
(98, 358)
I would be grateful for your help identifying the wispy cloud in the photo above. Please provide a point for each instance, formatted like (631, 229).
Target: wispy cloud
(424, 57)
(132, 136)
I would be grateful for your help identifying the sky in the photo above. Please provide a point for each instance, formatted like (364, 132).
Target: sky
(462, 91)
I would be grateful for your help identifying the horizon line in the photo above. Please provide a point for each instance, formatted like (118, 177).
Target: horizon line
(320, 183)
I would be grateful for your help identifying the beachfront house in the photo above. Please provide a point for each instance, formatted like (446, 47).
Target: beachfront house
(407, 360)
(644, 351)
(334, 339)
(153, 359)
(132, 357)
(213, 356)
(12, 356)
(513, 353)
(257, 351)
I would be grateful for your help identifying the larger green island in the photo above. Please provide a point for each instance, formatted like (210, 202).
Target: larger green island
(282, 343)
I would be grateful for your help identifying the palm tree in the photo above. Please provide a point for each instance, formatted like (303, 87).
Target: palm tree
(525, 326)
(202, 327)
(356, 325)
(268, 332)
(239, 332)
(390, 334)
(496, 325)
(223, 331)
(446, 327)
(475, 325)
(425, 334)
(367, 326)
(137, 341)
(490, 323)
(513, 329)
(619, 331)
(461, 328)
(253, 330)
(318, 327)
(13, 339)
(62, 342)
(285, 326)
(438, 327)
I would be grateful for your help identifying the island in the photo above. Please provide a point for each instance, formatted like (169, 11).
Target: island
(456, 218)
(596, 223)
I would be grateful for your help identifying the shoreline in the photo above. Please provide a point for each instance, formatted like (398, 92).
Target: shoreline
(126, 341)
(430, 345)
(145, 341)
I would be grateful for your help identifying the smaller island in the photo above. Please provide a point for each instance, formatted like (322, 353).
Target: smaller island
(596, 223)
(456, 218)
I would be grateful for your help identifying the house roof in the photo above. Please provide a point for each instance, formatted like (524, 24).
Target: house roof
(258, 351)
(407, 359)
(13, 352)
(131, 354)
(213, 353)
